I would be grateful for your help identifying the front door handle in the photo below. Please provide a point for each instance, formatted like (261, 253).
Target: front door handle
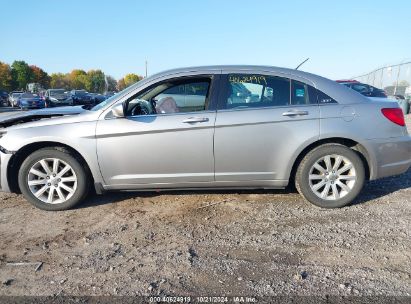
(195, 119)
(295, 113)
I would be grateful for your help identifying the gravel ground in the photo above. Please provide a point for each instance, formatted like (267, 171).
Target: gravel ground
(228, 243)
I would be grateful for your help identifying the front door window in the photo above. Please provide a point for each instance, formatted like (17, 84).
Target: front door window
(179, 96)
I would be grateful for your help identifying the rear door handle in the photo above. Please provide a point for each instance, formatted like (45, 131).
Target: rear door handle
(195, 119)
(295, 113)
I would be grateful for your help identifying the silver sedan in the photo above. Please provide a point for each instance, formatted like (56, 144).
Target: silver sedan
(219, 127)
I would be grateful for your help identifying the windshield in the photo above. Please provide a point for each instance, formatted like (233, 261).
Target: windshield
(81, 93)
(28, 95)
(119, 95)
(103, 103)
(16, 95)
(57, 92)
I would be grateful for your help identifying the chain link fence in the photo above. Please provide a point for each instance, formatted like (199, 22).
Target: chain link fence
(394, 79)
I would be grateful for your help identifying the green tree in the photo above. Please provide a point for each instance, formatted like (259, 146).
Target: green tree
(22, 74)
(401, 83)
(39, 76)
(78, 79)
(6, 78)
(128, 80)
(111, 83)
(96, 81)
(121, 85)
(60, 81)
(83, 82)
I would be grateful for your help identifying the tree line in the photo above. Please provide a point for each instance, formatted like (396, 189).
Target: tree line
(17, 75)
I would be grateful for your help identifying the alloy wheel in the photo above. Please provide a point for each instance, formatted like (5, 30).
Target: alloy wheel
(332, 177)
(52, 181)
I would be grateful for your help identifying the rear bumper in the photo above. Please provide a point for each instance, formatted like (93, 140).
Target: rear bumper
(391, 156)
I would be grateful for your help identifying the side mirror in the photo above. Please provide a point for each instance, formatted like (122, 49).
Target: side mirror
(118, 110)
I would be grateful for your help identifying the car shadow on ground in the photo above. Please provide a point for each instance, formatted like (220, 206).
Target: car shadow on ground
(372, 190)
(379, 188)
(119, 196)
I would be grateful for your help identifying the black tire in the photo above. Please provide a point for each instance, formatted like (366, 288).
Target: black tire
(83, 179)
(302, 180)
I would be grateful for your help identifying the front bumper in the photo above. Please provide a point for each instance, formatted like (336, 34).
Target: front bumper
(4, 161)
(85, 102)
(54, 104)
(390, 156)
(32, 106)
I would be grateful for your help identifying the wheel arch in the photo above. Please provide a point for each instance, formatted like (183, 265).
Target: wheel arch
(18, 158)
(354, 145)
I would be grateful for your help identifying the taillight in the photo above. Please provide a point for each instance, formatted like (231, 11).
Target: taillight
(395, 115)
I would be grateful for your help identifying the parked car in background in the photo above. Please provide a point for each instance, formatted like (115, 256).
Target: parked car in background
(4, 98)
(404, 104)
(364, 89)
(57, 98)
(13, 97)
(97, 98)
(81, 97)
(299, 128)
(109, 94)
(407, 93)
(30, 101)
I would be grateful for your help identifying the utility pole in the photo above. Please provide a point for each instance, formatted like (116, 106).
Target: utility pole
(105, 84)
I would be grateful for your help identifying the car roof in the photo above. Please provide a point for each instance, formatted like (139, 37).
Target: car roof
(333, 89)
(218, 68)
(350, 82)
(347, 81)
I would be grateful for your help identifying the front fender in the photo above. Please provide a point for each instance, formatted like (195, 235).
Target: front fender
(78, 136)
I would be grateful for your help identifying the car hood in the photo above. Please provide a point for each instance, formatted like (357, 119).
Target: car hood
(16, 118)
(31, 99)
(60, 96)
(82, 95)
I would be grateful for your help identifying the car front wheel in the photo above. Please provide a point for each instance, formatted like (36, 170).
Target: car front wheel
(330, 176)
(53, 179)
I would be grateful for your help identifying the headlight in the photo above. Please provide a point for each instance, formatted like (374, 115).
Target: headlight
(53, 99)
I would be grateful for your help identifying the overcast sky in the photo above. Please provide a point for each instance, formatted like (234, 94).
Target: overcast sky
(343, 39)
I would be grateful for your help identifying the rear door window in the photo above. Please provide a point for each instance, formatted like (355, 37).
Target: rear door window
(301, 93)
(255, 91)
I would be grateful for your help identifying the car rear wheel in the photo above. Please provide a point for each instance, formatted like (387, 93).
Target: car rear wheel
(53, 179)
(330, 176)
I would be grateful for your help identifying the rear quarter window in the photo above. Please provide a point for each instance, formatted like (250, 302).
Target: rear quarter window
(323, 98)
(302, 93)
